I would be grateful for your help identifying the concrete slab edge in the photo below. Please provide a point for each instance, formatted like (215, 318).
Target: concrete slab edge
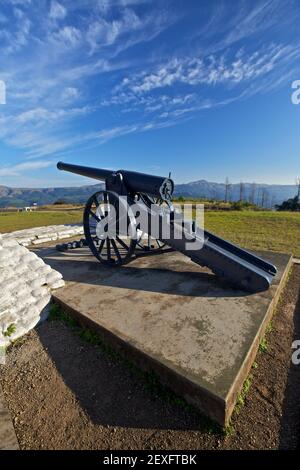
(208, 403)
(205, 401)
(8, 438)
(253, 350)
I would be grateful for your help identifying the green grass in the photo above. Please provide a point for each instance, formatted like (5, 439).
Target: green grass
(258, 230)
(240, 402)
(10, 330)
(263, 345)
(11, 221)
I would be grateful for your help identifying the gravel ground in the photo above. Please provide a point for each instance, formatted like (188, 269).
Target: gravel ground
(64, 393)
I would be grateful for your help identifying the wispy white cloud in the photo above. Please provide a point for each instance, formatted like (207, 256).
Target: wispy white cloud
(38, 131)
(104, 33)
(70, 94)
(17, 170)
(209, 70)
(259, 17)
(105, 6)
(14, 41)
(41, 116)
(57, 11)
(68, 36)
(19, 2)
(89, 69)
(78, 68)
(39, 145)
(129, 27)
(149, 103)
(44, 115)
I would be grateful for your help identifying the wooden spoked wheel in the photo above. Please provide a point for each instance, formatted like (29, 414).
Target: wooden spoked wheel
(145, 242)
(102, 223)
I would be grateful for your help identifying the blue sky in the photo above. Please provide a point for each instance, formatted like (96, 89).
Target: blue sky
(199, 88)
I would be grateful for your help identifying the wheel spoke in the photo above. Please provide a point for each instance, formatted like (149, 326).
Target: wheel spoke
(106, 202)
(140, 242)
(116, 249)
(94, 198)
(122, 243)
(108, 248)
(94, 215)
(101, 245)
(110, 251)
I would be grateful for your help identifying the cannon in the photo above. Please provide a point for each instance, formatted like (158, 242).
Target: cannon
(134, 216)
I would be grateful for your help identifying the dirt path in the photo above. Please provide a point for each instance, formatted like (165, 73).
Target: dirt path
(64, 393)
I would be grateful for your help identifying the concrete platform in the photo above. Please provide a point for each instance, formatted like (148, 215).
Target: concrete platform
(8, 438)
(171, 316)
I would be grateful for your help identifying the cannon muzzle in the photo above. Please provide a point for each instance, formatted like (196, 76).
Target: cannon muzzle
(96, 173)
(135, 183)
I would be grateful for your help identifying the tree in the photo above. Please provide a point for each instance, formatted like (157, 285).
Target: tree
(252, 193)
(227, 190)
(265, 198)
(297, 181)
(289, 205)
(242, 191)
(272, 201)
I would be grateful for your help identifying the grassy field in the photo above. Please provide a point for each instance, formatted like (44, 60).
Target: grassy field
(10, 221)
(260, 230)
(275, 231)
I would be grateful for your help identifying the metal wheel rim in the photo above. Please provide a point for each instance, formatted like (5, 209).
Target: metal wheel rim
(111, 251)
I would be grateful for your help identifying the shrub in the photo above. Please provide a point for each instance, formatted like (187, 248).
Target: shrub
(292, 204)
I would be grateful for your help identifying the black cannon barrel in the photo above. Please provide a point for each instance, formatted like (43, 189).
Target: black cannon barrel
(135, 182)
(148, 184)
(96, 173)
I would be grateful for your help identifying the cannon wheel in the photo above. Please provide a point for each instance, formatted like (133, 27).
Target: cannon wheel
(146, 243)
(109, 250)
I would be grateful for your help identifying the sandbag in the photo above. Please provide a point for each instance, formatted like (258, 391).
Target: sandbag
(25, 289)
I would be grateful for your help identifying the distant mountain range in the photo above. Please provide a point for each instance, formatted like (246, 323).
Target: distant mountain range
(262, 194)
(20, 197)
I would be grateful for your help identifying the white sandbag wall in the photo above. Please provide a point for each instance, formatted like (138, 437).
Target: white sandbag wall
(39, 235)
(25, 289)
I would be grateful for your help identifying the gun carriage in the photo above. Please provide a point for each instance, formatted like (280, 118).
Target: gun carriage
(114, 232)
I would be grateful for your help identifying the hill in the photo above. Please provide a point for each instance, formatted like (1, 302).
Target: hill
(19, 197)
(269, 195)
(262, 194)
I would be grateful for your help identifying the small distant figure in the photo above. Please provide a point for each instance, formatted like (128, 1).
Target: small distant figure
(31, 208)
